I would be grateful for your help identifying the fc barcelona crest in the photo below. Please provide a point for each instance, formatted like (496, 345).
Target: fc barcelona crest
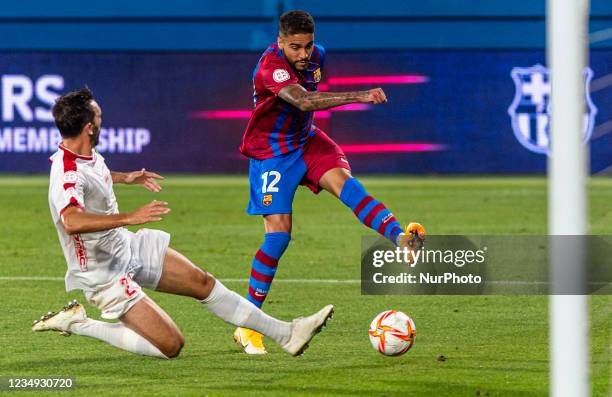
(530, 109)
(316, 75)
(267, 200)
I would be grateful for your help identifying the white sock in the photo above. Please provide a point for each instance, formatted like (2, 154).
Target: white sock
(398, 239)
(118, 335)
(234, 309)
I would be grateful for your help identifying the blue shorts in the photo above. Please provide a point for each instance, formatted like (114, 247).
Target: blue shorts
(274, 181)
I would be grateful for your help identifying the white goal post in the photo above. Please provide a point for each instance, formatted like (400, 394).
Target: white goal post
(567, 54)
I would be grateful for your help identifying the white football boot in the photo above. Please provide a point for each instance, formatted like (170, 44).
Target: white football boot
(72, 313)
(303, 329)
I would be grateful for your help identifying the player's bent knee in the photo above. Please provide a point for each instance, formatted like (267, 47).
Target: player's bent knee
(207, 283)
(333, 180)
(278, 223)
(172, 348)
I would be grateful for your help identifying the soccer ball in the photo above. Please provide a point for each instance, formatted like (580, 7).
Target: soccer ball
(392, 333)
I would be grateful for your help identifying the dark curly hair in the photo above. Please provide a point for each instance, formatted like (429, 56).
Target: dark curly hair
(295, 22)
(72, 112)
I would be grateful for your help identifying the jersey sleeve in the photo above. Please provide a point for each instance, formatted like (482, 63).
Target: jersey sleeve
(275, 75)
(68, 190)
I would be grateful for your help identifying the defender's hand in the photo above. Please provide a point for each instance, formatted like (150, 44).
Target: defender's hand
(376, 96)
(145, 178)
(151, 212)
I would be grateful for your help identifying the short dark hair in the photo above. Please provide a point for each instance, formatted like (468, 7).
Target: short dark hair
(72, 112)
(295, 22)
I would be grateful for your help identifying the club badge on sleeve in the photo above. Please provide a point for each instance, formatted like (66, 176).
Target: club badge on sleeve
(280, 75)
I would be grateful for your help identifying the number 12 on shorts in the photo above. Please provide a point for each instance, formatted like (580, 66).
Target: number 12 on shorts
(271, 187)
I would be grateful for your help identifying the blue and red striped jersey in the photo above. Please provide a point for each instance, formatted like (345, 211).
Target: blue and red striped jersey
(277, 127)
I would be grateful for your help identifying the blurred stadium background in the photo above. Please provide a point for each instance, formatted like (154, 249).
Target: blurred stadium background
(174, 81)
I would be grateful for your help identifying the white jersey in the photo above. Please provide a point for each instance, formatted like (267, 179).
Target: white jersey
(85, 181)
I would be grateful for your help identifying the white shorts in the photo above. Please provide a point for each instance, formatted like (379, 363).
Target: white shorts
(116, 297)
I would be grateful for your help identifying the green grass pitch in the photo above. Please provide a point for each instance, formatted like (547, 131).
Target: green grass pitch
(495, 345)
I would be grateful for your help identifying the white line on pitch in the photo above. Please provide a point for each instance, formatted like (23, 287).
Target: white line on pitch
(225, 280)
(30, 278)
(297, 280)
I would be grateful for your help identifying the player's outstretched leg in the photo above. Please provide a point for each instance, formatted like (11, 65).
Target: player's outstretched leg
(72, 319)
(292, 337)
(182, 277)
(371, 212)
(263, 269)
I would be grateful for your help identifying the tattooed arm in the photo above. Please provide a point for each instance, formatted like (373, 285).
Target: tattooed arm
(309, 101)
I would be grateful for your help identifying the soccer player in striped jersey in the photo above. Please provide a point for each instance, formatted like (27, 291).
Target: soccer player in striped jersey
(286, 150)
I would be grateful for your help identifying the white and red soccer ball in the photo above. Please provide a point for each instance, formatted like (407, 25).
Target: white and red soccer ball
(392, 333)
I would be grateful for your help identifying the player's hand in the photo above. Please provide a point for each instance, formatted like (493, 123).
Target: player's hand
(151, 212)
(145, 178)
(376, 96)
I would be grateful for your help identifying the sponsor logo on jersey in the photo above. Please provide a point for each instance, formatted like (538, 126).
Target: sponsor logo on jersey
(81, 254)
(267, 200)
(530, 109)
(280, 75)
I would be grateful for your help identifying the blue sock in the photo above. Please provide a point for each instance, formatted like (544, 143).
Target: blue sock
(264, 265)
(370, 212)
